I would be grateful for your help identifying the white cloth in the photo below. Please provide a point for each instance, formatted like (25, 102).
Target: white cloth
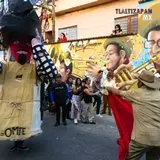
(106, 83)
(76, 100)
(36, 115)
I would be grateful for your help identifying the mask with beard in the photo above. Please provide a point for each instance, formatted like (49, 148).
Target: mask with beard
(22, 59)
(17, 46)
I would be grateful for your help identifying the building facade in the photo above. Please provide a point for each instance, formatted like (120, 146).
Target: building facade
(92, 18)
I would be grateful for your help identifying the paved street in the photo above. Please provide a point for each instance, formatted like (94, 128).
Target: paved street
(81, 142)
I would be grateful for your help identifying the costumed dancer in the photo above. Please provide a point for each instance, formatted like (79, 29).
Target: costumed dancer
(20, 116)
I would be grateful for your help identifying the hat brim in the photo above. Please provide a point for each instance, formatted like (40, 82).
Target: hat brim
(124, 42)
(155, 85)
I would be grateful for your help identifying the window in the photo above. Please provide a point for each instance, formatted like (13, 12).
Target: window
(70, 32)
(129, 24)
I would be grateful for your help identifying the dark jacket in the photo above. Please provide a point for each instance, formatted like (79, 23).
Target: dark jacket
(59, 93)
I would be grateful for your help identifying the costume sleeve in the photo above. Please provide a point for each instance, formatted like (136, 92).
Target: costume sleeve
(131, 95)
(45, 67)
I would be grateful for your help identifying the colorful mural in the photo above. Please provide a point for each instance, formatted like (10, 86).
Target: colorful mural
(78, 53)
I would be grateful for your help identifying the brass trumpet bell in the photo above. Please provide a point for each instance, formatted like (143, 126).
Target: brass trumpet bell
(125, 76)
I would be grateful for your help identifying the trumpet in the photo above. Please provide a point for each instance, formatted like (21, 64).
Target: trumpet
(89, 60)
(125, 75)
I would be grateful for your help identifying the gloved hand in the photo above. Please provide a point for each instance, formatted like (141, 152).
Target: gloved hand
(37, 40)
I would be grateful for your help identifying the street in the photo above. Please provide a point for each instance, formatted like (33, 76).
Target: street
(74, 142)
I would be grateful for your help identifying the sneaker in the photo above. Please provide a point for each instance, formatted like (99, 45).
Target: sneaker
(23, 148)
(92, 122)
(99, 115)
(75, 121)
(84, 122)
(57, 124)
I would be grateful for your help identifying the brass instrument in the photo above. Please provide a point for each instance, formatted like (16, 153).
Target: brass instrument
(125, 76)
(88, 60)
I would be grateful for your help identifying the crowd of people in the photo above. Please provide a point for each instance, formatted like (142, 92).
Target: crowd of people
(77, 98)
(20, 109)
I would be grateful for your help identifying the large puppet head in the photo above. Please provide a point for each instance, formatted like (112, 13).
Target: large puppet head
(18, 22)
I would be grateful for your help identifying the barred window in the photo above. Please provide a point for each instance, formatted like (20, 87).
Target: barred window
(129, 24)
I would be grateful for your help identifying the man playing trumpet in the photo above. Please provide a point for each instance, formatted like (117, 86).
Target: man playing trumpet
(152, 44)
(146, 112)
(116, 54)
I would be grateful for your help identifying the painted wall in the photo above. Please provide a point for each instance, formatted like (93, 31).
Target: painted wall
(96, 21)
(77, 54)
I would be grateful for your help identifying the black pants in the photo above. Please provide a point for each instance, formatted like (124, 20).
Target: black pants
(68, 109)
(42, 97)
(58, 113)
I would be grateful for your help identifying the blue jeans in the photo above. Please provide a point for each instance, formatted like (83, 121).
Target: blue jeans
(97, 101)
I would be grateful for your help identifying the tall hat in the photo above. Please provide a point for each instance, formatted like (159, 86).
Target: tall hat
(19, 16)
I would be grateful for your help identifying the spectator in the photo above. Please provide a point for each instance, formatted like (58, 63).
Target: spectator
(87, 112)
(96, 87)
(76, 100)
(59, 96)
(62, 38)
(68, 107)
(117, 30)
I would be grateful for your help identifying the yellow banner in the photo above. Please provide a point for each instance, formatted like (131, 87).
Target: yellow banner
(16, 101)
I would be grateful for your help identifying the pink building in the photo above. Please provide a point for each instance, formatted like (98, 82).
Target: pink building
(92, 18)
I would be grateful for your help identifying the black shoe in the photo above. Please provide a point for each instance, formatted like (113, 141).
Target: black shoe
(57, 124)
(23, 148)
(20, 146)
(109, 113)
(65, 123)
(14, 148)
(85, 122)
(92, 122)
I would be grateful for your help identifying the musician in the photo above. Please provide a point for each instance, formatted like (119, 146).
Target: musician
(146, 110)
(116, 54)
(152, 44)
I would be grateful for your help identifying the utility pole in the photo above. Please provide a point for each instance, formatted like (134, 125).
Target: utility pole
(53, 20)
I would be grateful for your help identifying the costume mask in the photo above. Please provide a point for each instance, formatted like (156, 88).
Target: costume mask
(21, 50)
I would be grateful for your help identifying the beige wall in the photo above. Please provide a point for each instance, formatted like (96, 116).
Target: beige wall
(66, 4)
(95, 21)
